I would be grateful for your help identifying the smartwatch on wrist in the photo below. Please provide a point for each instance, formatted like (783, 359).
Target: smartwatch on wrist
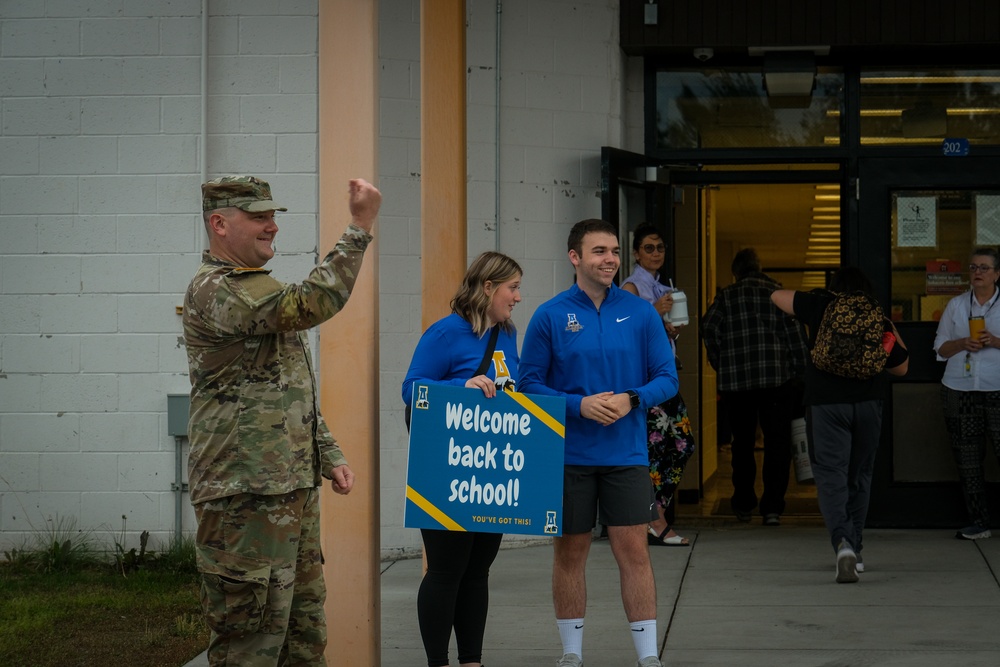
(633, 398)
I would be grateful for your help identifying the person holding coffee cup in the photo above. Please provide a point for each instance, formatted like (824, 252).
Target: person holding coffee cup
(970, 387)
(668, 430)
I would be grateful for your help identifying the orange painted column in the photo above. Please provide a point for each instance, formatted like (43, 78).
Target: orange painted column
(348, 368)
(443, 224)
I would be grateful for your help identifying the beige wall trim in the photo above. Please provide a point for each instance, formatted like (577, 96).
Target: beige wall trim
(443, 216)
(348, 369)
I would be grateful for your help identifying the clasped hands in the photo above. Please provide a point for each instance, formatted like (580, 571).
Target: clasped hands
(606, 407)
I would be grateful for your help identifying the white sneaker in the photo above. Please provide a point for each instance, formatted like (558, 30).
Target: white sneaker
(650, 661)
(847, 563)
(570, 660)
(859, 567)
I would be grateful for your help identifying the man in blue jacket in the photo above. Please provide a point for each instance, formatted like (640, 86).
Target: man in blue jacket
(606, 352)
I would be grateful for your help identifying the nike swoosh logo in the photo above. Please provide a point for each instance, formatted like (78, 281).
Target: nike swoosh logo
(622, 319)
(638, 629)
(577, 627)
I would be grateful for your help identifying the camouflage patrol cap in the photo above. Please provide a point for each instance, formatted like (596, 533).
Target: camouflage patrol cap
(247, 193)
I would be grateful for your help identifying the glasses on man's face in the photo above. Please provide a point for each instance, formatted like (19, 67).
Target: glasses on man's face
(980, 268)
(650, 248)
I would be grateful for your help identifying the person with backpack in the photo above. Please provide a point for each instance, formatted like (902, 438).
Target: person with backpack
(970, 387)
(853, 347)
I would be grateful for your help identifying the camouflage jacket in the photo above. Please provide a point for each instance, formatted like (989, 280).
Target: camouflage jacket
(255, 425)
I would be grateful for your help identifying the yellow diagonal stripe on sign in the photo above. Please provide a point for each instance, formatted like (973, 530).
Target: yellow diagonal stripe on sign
(431, 510)
(540, 414)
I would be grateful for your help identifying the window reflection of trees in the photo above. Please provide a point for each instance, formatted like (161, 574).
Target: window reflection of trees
(729, 109)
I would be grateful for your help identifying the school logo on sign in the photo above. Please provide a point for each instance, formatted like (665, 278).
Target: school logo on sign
(485, 464)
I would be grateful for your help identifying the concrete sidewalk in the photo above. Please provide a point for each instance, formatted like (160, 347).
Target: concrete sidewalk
(741, 595)
(744, 595)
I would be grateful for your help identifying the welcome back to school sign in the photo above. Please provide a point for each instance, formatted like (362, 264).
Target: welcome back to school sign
(491, 465)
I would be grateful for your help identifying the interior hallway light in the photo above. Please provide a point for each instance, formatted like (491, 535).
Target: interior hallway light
(924, 141)
(895, 113)
(921, 79)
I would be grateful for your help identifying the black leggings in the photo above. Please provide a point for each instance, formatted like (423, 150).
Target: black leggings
(455, 593)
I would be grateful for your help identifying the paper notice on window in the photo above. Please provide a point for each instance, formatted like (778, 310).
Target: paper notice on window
(987, 220)
(916, 222)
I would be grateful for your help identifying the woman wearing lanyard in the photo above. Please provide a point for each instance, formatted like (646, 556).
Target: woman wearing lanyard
(970, 392)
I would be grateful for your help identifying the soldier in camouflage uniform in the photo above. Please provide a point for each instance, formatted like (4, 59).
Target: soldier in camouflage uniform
(259, 445)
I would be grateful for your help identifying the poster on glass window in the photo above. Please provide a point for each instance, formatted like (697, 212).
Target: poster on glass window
(916, 222)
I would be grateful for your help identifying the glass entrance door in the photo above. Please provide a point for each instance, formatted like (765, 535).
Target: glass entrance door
(917, 223)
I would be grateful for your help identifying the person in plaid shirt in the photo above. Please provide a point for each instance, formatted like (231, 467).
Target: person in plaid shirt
(759, 354)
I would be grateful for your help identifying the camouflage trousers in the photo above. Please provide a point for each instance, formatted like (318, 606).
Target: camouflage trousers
(262, 588)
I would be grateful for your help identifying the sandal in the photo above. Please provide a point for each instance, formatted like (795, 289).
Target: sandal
(661, 540)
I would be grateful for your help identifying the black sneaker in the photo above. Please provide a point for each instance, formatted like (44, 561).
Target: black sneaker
(973, 532)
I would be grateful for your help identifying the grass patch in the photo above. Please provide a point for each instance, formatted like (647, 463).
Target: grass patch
(99, 618)
(63, 604)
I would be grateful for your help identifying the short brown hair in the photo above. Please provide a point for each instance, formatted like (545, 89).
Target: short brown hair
(584, 227)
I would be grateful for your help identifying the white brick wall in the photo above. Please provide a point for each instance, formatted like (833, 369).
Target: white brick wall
(99, 138)
(100, 121)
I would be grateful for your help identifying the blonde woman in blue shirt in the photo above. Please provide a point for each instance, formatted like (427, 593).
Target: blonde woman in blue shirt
(454, 594)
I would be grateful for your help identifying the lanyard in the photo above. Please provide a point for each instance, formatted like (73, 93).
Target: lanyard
(972, 303)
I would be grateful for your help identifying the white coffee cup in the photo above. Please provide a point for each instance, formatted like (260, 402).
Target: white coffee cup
(678, 315)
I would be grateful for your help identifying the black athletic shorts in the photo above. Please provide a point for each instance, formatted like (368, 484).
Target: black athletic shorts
(624, 495)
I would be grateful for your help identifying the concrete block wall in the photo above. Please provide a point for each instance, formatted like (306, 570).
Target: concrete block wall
(561, 97)
(399, 251)
(100, 124)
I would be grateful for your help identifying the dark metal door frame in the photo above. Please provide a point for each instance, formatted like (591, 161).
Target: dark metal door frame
(916, 504)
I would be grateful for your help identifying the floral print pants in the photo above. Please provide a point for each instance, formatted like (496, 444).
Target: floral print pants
(671, 444)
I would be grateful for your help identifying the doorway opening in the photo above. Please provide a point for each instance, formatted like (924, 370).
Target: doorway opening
(795, 228)
(792, 215)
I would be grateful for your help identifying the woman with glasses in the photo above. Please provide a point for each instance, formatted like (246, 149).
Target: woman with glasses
(970, 391)
(668, 429)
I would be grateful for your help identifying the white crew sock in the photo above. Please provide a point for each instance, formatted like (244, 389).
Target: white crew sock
(644, 636)
(571, 633)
